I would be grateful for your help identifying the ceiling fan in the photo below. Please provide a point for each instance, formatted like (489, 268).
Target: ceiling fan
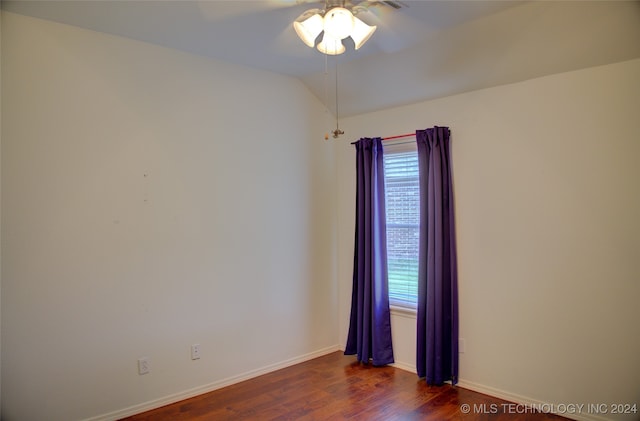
(337, 21)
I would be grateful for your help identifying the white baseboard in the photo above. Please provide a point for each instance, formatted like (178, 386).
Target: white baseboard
(406, 367)
(523, 400)
(177, 397)
(398, 364)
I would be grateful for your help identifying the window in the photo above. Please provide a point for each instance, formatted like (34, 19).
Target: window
(402, 202)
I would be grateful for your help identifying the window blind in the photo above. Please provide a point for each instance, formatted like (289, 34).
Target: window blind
(402, 207)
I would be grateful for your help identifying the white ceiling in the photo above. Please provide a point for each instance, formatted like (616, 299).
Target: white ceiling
(427, 50)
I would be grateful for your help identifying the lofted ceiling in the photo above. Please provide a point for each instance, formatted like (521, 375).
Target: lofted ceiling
(424, 50)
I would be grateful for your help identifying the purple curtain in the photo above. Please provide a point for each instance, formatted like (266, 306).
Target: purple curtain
(437, 318)
(370, 326)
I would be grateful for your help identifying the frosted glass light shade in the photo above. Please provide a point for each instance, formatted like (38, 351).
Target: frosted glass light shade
(338, 23)
(361, 32)
(331, 46)
(309, 29)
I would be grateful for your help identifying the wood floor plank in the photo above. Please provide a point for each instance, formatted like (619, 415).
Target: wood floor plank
(335, 387)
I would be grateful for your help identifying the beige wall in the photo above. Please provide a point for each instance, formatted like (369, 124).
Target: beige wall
(547, 190)
(151, 200)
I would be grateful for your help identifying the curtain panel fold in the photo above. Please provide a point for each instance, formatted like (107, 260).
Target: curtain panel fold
(369, 334)
(437, 313)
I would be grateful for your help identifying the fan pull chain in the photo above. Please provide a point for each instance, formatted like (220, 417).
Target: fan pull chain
(326, 93)
(337, 132)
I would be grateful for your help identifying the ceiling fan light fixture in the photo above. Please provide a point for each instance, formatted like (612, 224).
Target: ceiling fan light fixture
(338, 23)
(361, 32)
(309, 29)
(331, 46)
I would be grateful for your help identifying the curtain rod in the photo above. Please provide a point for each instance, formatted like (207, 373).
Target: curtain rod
(400, 136)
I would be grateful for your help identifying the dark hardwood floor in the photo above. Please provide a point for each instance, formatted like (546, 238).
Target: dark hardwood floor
(335, 387)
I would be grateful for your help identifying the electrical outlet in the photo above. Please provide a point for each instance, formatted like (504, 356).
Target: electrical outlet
(144, 365)
(195, 351)
(461, 346)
